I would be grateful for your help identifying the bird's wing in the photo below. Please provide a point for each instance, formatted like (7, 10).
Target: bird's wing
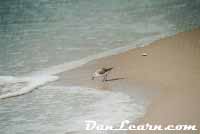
(102, 71)
(108, 69)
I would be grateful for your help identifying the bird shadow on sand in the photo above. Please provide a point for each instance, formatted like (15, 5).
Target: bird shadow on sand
(114, 79)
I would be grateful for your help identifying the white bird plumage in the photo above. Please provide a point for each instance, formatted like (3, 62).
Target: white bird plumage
(103, 72)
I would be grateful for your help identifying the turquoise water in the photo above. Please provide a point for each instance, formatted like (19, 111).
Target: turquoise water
(42, 33)
(41, 38)
(63, 110)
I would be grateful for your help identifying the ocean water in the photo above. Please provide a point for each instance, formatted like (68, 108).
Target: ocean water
(42, 33)
(41, 38)
(63, 110)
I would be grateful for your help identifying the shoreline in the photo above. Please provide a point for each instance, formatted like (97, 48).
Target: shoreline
(171, 68)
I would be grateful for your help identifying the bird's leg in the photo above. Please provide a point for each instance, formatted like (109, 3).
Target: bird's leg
(106, 77)
(103, 79)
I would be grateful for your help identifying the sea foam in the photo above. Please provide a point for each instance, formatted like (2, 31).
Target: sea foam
(42, 77)
(13, 86)
(57, 109)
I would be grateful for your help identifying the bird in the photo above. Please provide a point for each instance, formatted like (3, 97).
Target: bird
(103, 72)
(144, 54)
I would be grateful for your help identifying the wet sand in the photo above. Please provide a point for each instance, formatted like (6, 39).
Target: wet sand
(171, 69)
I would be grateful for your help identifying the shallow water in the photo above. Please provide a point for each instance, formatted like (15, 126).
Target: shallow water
(41, 38)
(42, 33)
(60, 110)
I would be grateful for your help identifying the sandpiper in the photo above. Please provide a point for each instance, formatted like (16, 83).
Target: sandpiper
(103, 72)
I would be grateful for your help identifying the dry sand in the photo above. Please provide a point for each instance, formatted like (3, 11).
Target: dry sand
(172, 68)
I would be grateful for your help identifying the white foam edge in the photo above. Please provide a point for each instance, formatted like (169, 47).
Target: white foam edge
(39, 78)
(54, 70)
(32, 83)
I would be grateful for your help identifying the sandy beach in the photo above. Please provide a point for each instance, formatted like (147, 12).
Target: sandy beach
(171, 69)
(50, 51)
